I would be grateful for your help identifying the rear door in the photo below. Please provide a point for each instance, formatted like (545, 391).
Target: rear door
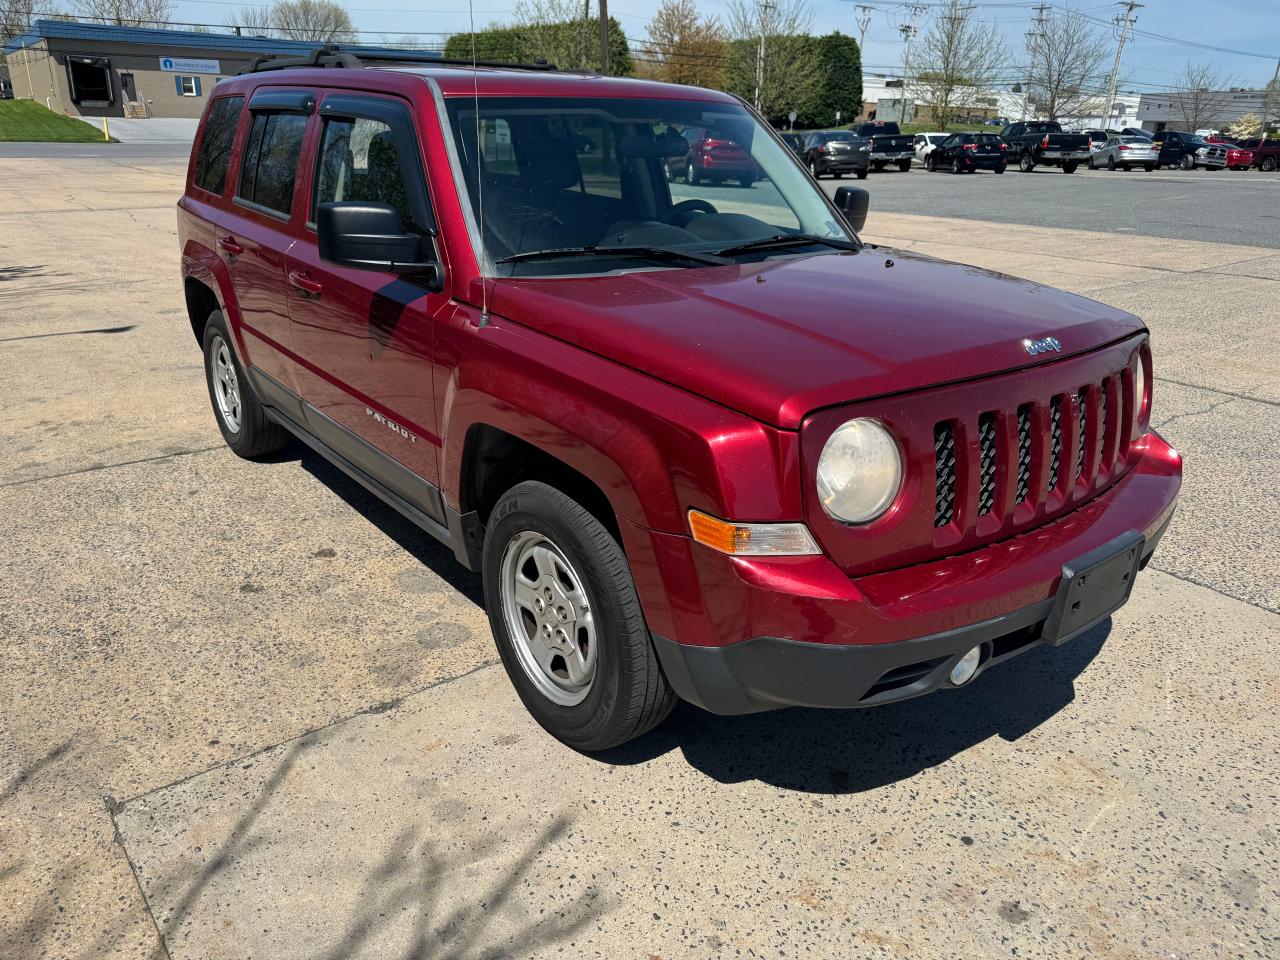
(260, 225)
(365, 337)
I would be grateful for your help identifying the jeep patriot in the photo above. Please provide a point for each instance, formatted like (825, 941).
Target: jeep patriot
(700, 441)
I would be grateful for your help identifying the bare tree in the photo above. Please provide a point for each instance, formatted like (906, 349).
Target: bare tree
(17, 16)
(126, 13)
(789, 70)
(960, 58)
(1070, 64)
(686, 47)
(320, 20)
(253, 21)
(1200, 95)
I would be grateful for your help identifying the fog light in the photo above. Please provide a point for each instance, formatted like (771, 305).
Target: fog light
(966, 667)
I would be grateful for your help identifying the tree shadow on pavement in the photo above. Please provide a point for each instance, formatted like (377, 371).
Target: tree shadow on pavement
(850, 751)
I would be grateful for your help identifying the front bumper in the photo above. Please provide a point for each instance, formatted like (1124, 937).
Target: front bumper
(749, 634)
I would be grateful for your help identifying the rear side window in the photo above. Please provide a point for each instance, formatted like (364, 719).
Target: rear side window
(358, 161)
(270, 164)
(215, 145)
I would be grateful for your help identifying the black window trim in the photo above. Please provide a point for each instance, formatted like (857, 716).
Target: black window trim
(231, 147)
(399, 120)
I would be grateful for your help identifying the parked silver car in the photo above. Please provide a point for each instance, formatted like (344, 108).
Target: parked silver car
(1126, 153)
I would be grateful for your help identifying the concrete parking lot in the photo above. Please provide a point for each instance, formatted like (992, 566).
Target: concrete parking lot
(250, 712)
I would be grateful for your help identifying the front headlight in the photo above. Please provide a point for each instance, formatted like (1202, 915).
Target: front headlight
(1202, 151)
(859, 471)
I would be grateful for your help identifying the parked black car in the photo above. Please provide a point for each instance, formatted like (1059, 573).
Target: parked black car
(1042, 142)
(967, 152)
(1188, 151)
(793, 140)
(836, 152)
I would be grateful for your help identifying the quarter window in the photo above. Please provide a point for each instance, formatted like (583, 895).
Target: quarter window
(359, 161)
(215, 145)
(270, 164)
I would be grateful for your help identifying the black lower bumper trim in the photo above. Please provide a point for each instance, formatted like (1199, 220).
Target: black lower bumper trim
(766, 673)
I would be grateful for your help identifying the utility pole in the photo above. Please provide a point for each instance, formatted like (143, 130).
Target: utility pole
(604, 37)
(1125, 22)
(908, 31)
(1033, 42)
(766, 13)
(863, 20)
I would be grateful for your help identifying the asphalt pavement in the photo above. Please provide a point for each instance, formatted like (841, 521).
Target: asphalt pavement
(1226, 206)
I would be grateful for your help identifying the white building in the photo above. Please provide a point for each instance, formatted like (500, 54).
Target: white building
(1160, 111)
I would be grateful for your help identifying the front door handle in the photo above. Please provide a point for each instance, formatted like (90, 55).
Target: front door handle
(228, 245)
(303, 281)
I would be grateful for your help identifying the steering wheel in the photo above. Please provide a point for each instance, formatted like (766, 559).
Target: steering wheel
(684, 211)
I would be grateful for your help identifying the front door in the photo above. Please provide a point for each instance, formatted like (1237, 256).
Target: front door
(128, 87)
(255, 234)
(365, 337)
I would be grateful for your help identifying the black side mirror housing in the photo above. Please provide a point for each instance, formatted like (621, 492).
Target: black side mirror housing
(370, 236)
(853, 202)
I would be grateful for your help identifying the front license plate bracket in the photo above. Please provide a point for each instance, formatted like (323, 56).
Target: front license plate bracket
(1094, 586)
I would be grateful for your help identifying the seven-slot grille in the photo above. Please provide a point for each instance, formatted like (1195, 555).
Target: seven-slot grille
(1093, 452)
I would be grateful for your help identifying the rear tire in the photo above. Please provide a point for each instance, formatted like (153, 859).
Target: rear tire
(1267, 164)
(878, 166)
(244, 423)
(838, 176)
(576, 560)
(1026, 162)
(1111, 163)
(955, 164)
(930, 165)
(1070, 166)
(1150, 167)
(690, 174)
(1000, 169)
(813, 169)
(904, 166)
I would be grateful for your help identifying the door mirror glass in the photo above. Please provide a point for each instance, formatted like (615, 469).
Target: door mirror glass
(853, 202)
(369, 236)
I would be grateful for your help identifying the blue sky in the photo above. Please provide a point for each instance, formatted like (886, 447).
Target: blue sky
(1239, 25)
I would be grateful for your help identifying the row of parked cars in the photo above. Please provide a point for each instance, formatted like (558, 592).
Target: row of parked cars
(1028, 144)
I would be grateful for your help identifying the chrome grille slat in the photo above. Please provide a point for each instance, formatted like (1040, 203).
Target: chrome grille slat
(1055, 440)
(1082, 406)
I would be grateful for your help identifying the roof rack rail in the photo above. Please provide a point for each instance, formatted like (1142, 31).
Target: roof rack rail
(332, 56)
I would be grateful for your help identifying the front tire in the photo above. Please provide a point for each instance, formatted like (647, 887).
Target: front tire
(690, 174)
(1188, 162)
(567, 621)
(930, 165)
(862, 174)
(244, 423)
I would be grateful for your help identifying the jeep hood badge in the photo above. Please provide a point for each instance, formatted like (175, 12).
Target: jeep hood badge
(1043, 345)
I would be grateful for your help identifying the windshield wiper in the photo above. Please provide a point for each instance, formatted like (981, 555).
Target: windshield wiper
(594, 250)
(786, 240)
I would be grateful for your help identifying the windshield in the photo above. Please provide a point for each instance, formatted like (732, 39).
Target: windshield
(589, 174)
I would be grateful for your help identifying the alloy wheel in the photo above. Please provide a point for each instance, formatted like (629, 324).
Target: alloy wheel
(226, 385)
(549, 618)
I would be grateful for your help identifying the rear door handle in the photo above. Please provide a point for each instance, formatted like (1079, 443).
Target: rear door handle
(302, 280)
(229, 245)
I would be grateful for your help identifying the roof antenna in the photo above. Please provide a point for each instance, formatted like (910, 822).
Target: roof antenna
(475, 92)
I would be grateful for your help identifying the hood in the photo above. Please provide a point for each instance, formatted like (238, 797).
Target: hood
(780, 338)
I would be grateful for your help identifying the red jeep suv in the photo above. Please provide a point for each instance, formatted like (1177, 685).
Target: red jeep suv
(700, 442)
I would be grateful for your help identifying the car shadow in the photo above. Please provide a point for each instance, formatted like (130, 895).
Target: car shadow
(391, 523)
(851, 751)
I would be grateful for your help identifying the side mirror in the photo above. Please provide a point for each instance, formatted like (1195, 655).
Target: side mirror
(369, 236)
(853, 202)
